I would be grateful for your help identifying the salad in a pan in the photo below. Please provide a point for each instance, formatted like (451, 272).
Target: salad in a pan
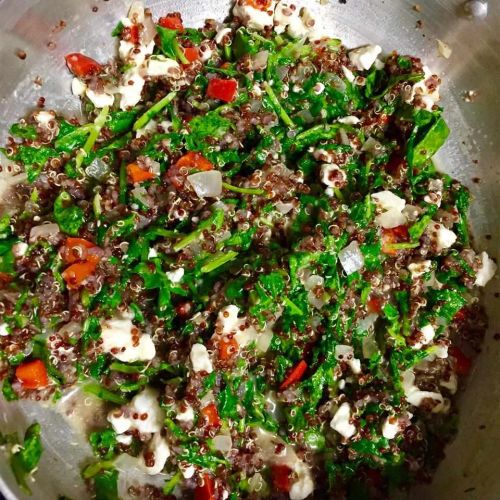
(245, 254)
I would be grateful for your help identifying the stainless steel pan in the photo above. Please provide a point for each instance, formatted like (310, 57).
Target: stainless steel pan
(473, 151)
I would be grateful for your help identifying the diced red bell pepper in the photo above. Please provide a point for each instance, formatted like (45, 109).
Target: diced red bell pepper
(207, 491)
(280, 475)
(374, 304)
(81, 65)
(463, 364)
(211, 415)
(398, 234)
(192, 54)
(220, 88)
(131, 34)
(171, 22)
(32, 374)
(137, 174)
(75, 250)
(194, 160)
(77, 273)
(295, 375)
(228, 347)
(260, 4)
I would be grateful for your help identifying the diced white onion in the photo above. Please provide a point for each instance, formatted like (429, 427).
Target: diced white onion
(351, 258)
(206, 184)
(260, 60)
(44, 232)
(223, 443)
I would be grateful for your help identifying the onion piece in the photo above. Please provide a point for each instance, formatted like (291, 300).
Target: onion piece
(149, 29)
(206, 184)
(351, 258)
(44, 232)
(97, 169)
(223, 443)
(260, 60)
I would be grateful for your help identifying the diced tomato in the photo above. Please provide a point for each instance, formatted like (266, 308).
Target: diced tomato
(81, 65)
(191, 54)
(260, 4)
(280, 475)
(77, 273)
(172, 22)
(374, 304)
(295, 375)
(228, 347)
(207, 491)
(463, 364)
(211, 415)
(190, 161)
(194, 160)
(137, 174)
(32, 374)
(398, 234)
(75, 250)
(225, 90)
(131, 34)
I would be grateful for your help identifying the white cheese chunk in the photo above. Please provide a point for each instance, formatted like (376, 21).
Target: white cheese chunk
(78, 87)
(221, 34)
(349, 120)
(100, 99)
(364, 57)
(4, 330)
(145, 405)
(426, 336)
(176, 275)
(441, 236)
(390, 427)
(122, 339)
(418, 269)
(451, 384)
(345, 353)
(131, 88)
(186, 415)
(19, 249)
(341, 421)
(200, 359)
(332, 175)
(486, 271)
(160, 451)
(387, 200)
(253, 18)
(415, 396)
(303, 486)
(164, 66)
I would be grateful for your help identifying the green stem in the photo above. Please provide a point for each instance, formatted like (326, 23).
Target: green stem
(104, 394)
(217, 218)
(278, 107)
(99, 122)
(180, 53)
(227, 52)
(218, 261)
(170, 485)
(122, 196)
(154, 110)
(402, 246)
(236, 189)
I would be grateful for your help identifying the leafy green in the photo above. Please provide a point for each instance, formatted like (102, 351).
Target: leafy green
(417, 229)
(104, 394)
(106, 485)
(23, 130)
(68, 216)
(103, 443)
(72, 138)
(34, 159)
(169, 44)
(25, 459)
(425, 142)
(119, 122)
(462, 202)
